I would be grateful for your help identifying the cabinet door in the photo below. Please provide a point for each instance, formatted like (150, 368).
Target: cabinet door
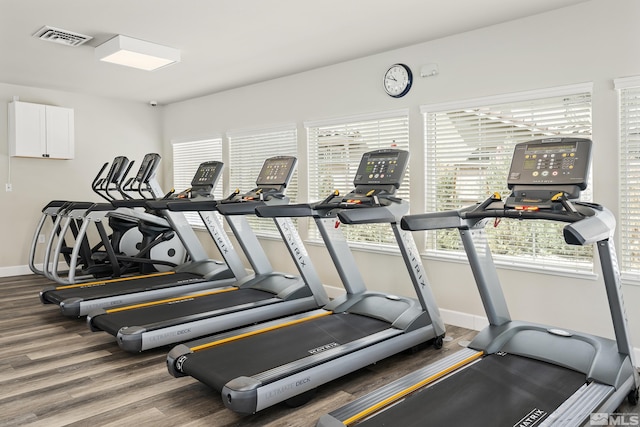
(27, 129)
(60, 134)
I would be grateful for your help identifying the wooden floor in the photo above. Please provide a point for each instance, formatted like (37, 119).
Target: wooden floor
(54, 371)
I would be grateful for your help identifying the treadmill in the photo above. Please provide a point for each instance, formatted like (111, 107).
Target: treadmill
(262, 296)
(516, 373)
(287, 359)
(200, 272)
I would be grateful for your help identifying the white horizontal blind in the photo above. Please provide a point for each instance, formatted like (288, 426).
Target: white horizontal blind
(468, 154)
(187, 156)
(629, 226)
(335, 150)
(247, 152)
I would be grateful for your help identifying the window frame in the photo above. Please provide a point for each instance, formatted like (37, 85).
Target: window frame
(535, 264)
(193, 157)
(627, 120)
(382, 239)
(244, 166)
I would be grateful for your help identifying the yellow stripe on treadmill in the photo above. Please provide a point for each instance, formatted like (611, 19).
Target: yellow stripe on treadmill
(411, 389)
(119, 279)
(259, 331)
(169, 300)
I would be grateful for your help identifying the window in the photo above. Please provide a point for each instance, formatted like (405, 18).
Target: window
(629, 217)
(187, 156)
(247, 152)
(335, 149)
(468, 153)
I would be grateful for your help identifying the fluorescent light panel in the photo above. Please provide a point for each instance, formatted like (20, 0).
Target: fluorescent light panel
(130, 52)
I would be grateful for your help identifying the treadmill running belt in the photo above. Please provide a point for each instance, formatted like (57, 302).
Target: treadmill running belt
(103, 290)
(175, 313)
(498, 391)
(246, 357)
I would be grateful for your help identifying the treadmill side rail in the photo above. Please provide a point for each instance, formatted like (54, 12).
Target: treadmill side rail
(78, 307)
(576, 409)
(394, 391)
(236, 395)
(229, 318)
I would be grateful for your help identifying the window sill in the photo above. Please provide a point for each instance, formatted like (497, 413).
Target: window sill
(363, 247)
(553, 270)
(630, 279)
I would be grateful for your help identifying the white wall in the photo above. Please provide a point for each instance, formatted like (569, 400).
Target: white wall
(590, 42)
(104, 128)
(594, 42)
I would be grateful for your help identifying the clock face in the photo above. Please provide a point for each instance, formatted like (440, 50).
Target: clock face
(397, 80)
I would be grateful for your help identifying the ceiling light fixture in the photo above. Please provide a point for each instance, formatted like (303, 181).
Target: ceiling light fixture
(136, 53)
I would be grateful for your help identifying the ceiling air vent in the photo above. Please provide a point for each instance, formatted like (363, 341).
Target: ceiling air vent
(56, 35)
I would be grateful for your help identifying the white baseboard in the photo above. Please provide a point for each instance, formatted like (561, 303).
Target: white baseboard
(463, 320)
(333, 291)
(18, 270)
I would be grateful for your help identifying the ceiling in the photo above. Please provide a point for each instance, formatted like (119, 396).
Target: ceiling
(226, 43)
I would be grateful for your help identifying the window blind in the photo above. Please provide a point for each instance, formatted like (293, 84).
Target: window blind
(247, 152)
(468, 154)
(335, 150)
(187, 156)
(629, 217)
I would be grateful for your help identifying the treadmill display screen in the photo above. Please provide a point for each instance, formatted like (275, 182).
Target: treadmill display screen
(382, 167)
(560, 161)
(207, 174)
(276, 171)
(551, 148)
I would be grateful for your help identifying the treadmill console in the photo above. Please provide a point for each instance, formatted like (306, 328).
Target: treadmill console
(206, 177)
(382, 168)
(557, 161)
(272, 180)
(276, 172)
(542, 168)
(379, 175)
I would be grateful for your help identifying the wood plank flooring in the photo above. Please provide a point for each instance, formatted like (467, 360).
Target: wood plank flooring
(54, 371)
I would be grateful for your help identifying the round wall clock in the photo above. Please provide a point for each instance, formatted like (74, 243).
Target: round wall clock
(397, 80)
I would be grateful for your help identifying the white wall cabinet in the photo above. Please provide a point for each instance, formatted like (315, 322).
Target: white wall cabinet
(37, 130)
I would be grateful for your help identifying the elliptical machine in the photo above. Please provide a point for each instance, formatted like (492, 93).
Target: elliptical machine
(140, 239)
(102, 184)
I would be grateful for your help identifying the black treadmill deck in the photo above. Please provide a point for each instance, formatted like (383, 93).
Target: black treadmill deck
(498, 391)
(189, 310)
(106, 289)
(250, 356)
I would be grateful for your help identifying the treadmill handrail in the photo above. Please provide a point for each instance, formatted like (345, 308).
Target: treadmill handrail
(192, 205)
(291, 211)
(373, 214)
(588, 223)
(334, 204)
